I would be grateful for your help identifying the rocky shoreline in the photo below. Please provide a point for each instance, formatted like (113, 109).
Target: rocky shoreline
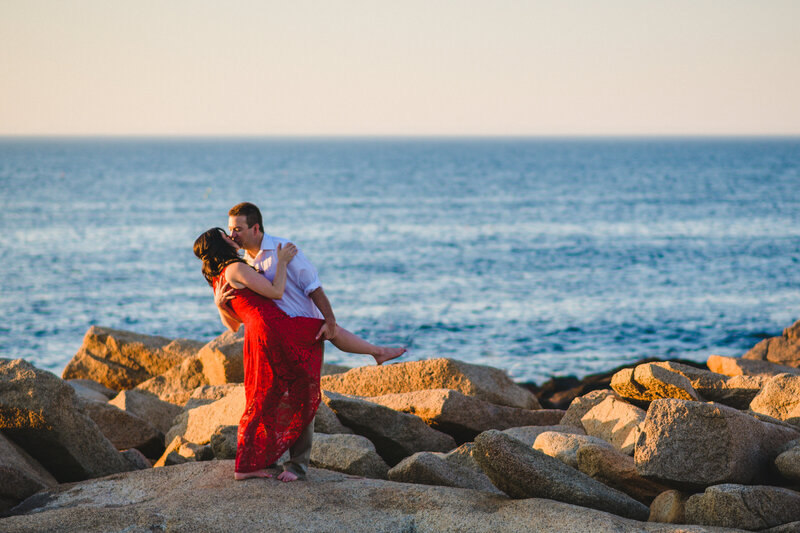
(139, 432)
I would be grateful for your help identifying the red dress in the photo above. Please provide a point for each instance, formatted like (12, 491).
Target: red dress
(282, 363)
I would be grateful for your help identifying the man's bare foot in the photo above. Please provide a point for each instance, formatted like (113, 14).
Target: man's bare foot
(387, 353)
(287, 476)
(238, 476)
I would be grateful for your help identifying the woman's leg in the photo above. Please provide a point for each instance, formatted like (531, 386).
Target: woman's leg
(352, 343)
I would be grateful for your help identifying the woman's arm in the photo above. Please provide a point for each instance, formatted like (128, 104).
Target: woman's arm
(243, 274)
(229, 319)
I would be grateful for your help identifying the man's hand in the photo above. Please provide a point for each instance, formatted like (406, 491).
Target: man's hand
(222, 295)
(327, 331)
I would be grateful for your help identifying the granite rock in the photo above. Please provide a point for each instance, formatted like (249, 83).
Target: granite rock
(780, 398)
(198, 424)
(39, 412)
(483, 382)
(582, 405)
(564, 446)
(461, 416)
(223, 442)
(20, 475)
(617, 470)
(351, 454)
(652, 381)
(736, 447)
(736, 366)
(222, 358)
(203, 496)
(148, 407)
(93, 385)
(751, 507)
(124, 429)
(177, 384)
(788, 462)
(529, 434)
(522, 472)
(615, 421)
(123, 359)
(432, 468)
(669, 507)
(326, 421)
(396, 435)
(783, 350)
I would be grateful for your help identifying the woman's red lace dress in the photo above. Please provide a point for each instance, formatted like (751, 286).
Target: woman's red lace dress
(282, 363)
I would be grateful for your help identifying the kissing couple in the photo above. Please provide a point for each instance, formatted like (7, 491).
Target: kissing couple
(276, 293)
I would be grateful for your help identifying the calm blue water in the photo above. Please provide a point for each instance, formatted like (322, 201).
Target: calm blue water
(538, 256)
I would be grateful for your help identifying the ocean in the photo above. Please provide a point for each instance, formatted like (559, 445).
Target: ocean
(539, 256)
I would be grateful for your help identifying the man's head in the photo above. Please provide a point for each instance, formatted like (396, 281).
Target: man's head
(245, 225)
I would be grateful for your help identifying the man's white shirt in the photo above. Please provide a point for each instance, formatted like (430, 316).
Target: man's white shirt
(301, 277)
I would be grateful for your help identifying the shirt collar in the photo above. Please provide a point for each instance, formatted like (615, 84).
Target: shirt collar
(267, 243)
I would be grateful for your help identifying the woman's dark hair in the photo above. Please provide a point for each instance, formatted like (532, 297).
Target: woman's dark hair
(215, 253)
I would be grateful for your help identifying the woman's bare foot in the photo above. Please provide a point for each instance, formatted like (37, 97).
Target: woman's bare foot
(287, 476)
(387, 353)
(238, 476)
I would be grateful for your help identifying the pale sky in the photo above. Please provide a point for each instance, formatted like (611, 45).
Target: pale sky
(409, 67)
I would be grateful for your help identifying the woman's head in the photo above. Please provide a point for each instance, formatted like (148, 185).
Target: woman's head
(216, 250)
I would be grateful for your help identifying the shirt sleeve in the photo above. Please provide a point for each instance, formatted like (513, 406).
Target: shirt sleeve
(303, 273)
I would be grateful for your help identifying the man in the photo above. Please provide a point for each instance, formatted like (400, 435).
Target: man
(302, 296)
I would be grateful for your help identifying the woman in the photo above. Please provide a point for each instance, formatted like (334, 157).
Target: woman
(282, 356)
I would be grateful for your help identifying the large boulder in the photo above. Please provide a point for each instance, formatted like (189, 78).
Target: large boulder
(529, 434)
(124, 429)
(351, 454)
(177, 384)
(743, 506)
(92, 385)
(180, 451)
(203, 496)
(462, 416)
(669, 507)
(484, 382)
(136, 459)
(788, 462)
(207, 394)
(522, 472)
(147, 406)
(652, 381)
(432, 468)
(617, 470)
(223, 360)
(123, 359)
(780, 398)
(736, 391)
(783, 350)
(736, 366)
(20, 475)
(87, 393)
(223, 442)
(615, 421)
(326, 421)
(198, 424)
(39, 412)
(582, 405)
(564, 446)
(695, 444)
(396, 435)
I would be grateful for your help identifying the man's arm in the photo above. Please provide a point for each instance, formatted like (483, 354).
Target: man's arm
(328, 329)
